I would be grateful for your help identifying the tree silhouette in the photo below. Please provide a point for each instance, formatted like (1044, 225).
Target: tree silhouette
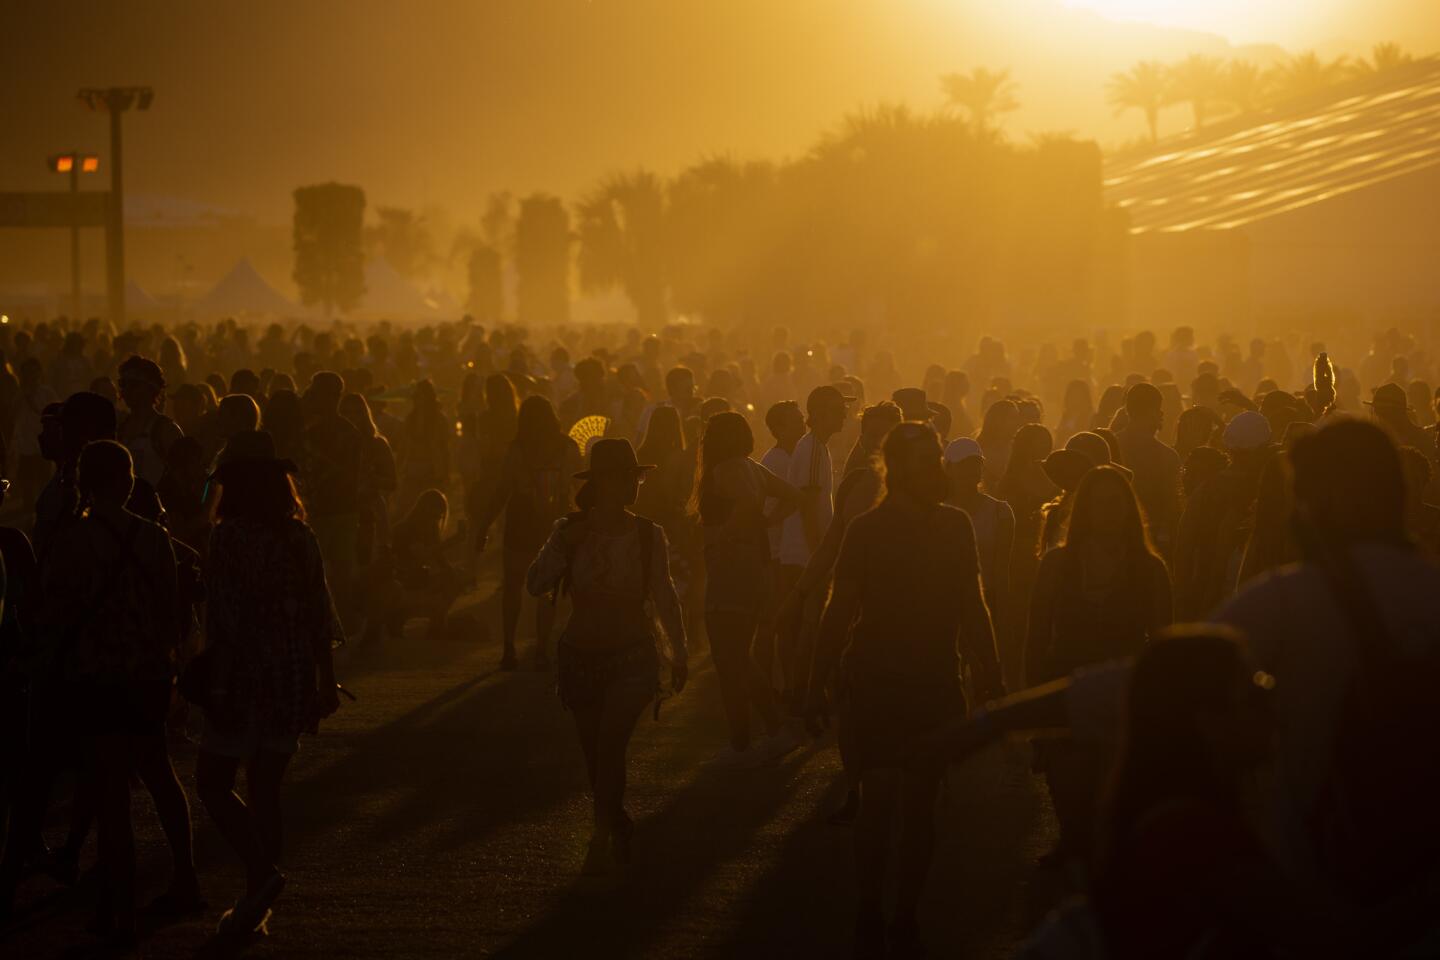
(982, 93)
(542, 262)
(1144, 87)
(1383, 57)
(722, 221)
(403, 239)
(1305, 74)
(622, 243)
(329, 245)
(1197, 80)
(1243, 86)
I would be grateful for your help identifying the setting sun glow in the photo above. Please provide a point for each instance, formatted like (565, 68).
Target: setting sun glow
(1234, 19)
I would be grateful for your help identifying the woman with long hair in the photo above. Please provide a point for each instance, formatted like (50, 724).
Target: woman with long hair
(997, 433)
(613, 564)
(905, 616)
(1103, 594)
(534, 491)
(667, 489)
(1077, 412)
(489, 437)
(730, 496)
(270, 625)
(1111, 400)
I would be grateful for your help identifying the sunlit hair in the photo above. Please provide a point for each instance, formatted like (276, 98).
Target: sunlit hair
(1083, 528)
(1032, 444)
(500, 397)
(1002, 420)
(356, 410)
(727, 436)
(900, 442)
(537, 428)
(664, 436)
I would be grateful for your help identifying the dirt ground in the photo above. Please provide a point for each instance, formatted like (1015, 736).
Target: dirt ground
(445, 814)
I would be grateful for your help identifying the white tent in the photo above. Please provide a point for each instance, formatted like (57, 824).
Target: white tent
(243, 290)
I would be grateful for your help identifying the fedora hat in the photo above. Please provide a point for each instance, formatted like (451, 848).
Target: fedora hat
(611, 457)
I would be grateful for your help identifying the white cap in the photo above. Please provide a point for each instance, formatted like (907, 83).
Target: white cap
(962, 448)
(1247, 430)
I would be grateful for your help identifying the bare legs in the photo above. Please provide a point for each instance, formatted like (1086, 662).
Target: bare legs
(253, 828)
(911, 795)
(741, 682)
(604, 729)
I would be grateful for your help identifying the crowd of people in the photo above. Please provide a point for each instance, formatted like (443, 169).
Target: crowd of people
(200, 515)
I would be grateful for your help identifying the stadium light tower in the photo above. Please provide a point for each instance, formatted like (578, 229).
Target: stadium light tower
(74, 163)
(115, 101)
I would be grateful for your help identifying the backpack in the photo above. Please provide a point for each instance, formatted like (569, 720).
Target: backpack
(1376, 830)
(646, 531)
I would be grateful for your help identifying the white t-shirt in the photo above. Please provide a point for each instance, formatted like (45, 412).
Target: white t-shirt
(777, 461)
(810, 468)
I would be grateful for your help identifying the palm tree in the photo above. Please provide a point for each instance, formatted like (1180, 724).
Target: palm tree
(984, 94)
(1243, 86)
(721, 227)
(1144, 87)
(1383, 57)
(1305, 74)
(622, 242)
(1197, 80)
(542, 262)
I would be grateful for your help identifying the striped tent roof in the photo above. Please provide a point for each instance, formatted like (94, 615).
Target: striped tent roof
(1295, 155)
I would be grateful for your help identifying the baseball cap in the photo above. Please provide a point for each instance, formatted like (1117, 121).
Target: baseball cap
(962, 449)
(1247, 431)
(825, 396)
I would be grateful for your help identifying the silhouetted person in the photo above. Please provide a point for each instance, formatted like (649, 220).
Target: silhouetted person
(109, 588)
(146, 431)
(907, 600)
(269, 628)
(1099, 596)
(991, 518)
(787, 426)
(534, 492)
(1156, 467)
(731, 497)
(332, 457)
(612, 563)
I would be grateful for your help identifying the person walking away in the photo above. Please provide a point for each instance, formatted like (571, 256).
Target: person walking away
(270, 626)
(1026, 488)
(730, 498)
(1156, 467)
(905, 613)
(146, 432)
(330, 474)
(110, 588)
(1352, 635)
(534, 492)
(615, 566)
(1101, 595)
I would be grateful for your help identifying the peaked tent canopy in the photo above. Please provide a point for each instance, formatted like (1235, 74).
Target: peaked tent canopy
(243, 290)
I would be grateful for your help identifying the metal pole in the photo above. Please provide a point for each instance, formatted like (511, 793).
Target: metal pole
(75, 238)
(115, 234)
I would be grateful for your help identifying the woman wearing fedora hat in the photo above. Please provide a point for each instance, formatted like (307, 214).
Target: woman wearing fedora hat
(614, 566)
(270, 625)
